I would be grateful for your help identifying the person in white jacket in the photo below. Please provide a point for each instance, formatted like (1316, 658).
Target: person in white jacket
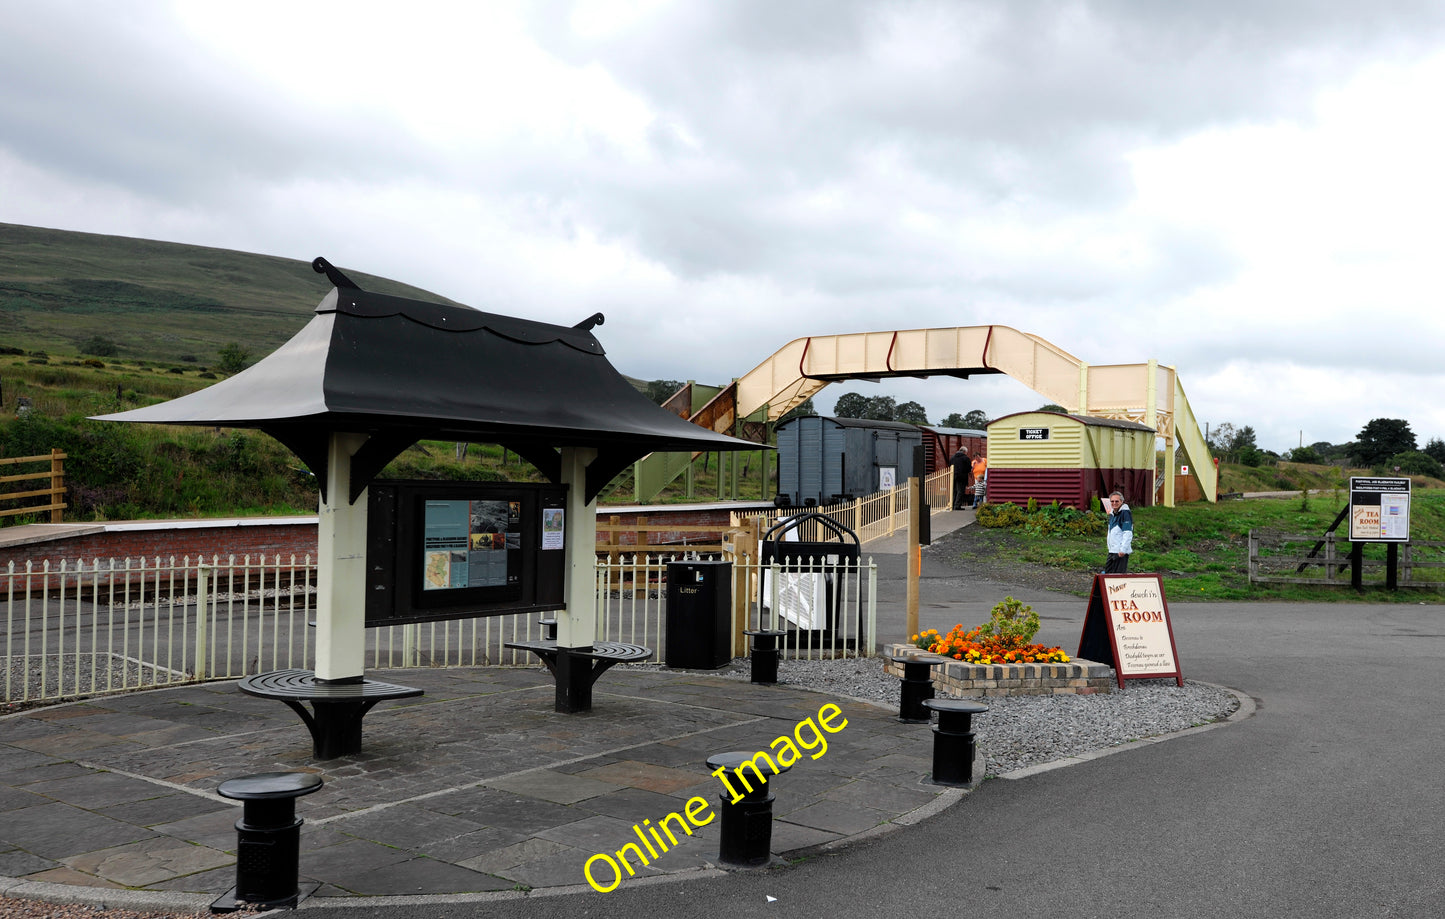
(1120, 535)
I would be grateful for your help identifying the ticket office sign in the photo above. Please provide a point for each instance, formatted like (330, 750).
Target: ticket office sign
(1379, 509)
(1128, 627)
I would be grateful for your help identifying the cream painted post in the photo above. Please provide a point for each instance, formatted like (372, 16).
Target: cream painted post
(1171, 445)
(916, 509)
(203, 596)
(577, 624)
(1083, 388)
(1151, 418)
(341, 568)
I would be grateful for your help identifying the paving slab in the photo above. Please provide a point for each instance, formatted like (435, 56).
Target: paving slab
(476, 786)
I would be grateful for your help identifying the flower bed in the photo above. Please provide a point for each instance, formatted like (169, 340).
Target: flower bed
(958, 678)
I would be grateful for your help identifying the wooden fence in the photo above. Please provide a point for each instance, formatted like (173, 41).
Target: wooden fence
(54, 496)
(1287, 558)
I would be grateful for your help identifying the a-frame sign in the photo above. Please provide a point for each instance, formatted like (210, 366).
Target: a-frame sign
(1127, 626)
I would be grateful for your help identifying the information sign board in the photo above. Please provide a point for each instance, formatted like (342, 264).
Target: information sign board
(1379, 509)
(1127, 626)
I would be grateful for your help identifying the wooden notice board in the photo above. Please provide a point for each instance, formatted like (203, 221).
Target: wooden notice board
(1127, 626)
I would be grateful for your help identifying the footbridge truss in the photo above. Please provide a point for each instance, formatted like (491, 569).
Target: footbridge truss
(1149, 393)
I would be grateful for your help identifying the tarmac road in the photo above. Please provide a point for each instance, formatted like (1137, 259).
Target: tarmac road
(1326, 803)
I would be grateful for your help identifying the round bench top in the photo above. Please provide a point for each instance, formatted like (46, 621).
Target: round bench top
(270, 785)
(765, 633)
(736, 758)
(955, 706)
(914, 657)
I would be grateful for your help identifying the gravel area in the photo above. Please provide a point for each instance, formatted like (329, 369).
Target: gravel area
(1022, 731)
(11, 908)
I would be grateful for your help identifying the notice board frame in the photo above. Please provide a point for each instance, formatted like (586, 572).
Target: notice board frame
(1371, 491)
(1108, 623)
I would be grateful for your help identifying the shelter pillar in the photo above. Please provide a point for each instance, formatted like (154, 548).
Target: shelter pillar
(577, 624)
(341, 568)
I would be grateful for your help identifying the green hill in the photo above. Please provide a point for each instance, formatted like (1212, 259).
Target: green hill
(165, 311)
(153, 300)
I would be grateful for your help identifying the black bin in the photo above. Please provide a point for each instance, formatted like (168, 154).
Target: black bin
(699, 615)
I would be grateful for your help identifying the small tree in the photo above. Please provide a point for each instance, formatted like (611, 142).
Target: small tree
(911, 412)
(851, 405)
(232, 358)
(1435, 449)
(1381, 439)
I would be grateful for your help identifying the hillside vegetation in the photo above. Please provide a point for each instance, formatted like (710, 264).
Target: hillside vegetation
(177, 303)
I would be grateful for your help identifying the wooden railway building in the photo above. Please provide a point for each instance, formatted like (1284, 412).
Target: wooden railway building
(1069, 458)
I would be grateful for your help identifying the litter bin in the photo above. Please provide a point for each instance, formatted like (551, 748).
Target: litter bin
(699, 615)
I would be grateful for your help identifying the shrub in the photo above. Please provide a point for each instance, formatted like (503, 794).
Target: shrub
(999, 515)
(100, 346)
(1413, 462)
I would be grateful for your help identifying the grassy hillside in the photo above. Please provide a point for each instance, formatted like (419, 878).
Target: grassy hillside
(1202, 549)
(156, 301)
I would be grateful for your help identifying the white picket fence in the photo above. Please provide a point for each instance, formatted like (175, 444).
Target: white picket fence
(114, 625)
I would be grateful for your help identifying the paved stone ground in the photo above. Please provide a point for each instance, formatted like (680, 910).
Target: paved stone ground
(477, 786)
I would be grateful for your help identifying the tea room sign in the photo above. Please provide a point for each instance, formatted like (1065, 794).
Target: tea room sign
(1127, 626)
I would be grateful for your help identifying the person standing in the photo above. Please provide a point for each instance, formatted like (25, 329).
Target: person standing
(1120, 529)
(980, 476)
(962, 469)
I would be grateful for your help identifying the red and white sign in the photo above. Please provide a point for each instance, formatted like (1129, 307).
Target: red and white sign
(1127, 626)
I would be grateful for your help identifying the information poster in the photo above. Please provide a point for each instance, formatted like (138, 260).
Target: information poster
(1379, 509)
(1127, 626)
(554, 526)
(471, 544)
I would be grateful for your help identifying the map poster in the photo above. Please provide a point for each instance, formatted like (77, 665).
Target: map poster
(1379, 509)
(1127, 627)
(470, 543)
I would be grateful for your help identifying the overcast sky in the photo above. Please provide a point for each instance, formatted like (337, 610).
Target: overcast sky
(1248, 190)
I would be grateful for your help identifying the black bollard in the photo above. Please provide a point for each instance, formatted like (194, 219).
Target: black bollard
(549, 629)
(765, 654)
(917, 687)
(746, 825)
(953, 743)
(268, 850)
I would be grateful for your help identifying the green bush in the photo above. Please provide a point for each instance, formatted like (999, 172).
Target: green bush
(1051, 520)
(999, 515)
(1413, 462)
(1012, 621)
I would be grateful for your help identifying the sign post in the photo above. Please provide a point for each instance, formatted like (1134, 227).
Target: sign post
(1379, 512)
(1127, 626)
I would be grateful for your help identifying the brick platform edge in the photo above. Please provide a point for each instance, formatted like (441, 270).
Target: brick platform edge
(955, 678)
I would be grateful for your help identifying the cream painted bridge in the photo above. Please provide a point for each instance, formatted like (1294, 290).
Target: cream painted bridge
(1149, 393)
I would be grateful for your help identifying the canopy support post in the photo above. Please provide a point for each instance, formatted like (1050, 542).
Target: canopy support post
(577, 624)
(341, 568)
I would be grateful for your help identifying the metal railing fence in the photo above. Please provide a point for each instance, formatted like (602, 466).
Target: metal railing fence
(89, 628)
(874, 516)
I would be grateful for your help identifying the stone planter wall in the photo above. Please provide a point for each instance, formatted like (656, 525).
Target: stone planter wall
(955, 678)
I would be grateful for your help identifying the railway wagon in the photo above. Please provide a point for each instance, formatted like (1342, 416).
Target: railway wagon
(823, 460)
(940, 444)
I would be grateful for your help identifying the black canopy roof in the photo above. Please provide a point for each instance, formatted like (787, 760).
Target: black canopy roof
(404, 370)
